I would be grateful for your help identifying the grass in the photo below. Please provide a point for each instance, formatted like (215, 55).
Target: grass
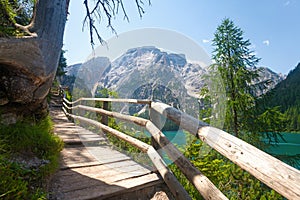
(20, 144)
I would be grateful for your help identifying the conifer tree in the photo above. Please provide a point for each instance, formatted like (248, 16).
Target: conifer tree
(236, 64)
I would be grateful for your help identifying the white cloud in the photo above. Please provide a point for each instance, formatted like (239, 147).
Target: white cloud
(266, 42)
(205, 41)
(287, 3)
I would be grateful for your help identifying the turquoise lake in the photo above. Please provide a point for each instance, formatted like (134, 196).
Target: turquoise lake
(287, 147)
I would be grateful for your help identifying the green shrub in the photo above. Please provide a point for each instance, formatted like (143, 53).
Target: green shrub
(234, 182)
(27, 140)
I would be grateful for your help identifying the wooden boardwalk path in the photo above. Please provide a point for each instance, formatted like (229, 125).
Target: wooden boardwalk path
(91, 169)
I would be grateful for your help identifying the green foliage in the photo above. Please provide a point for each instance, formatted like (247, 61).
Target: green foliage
(68, 95)
(36, 138)
(105, 93)
(78, 92)
(205, 105)
(12, 12)
(236, 65)
(18, 183)
(292, 115)
(7, 18)
(62, 64)
(273, 120)
(27, 140)
(127, 148)
(234, 182)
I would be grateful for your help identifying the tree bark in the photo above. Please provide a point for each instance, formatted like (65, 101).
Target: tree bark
(28, 64)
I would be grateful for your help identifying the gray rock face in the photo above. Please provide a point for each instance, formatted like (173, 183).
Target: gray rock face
(149, 65)
(267, 74)
(72, 70)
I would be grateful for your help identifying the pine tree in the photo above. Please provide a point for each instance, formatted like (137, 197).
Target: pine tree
(236, 64)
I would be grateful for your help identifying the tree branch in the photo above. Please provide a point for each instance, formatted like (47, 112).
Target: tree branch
(25, 29)
(109, 9)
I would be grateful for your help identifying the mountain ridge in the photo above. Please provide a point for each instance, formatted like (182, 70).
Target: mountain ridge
(138, 59)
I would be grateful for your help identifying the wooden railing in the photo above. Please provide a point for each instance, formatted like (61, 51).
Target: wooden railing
(277, 175)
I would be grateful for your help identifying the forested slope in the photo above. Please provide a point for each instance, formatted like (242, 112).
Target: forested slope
(286, 96)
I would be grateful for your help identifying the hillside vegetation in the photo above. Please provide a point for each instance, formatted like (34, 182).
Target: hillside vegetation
(286, 97)
(29, 154)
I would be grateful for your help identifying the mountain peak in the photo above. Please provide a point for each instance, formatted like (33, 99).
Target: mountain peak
(150, 65)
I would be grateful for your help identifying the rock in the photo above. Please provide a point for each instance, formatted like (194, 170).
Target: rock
(25, 82)
(160, 196)
(29, 161)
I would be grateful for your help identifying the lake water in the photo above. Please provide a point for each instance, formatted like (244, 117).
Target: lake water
(286, 148)
(288, 145)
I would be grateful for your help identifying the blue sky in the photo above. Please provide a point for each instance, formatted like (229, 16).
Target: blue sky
(272, 26)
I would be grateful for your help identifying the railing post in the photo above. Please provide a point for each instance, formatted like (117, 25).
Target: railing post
(104, 118)
(158, 120)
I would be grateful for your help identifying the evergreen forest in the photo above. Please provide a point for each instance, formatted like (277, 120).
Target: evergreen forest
(286, 97)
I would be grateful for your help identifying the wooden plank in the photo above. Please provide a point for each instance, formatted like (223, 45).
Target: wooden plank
(271, 171)
(75, 134)
(116, 165)
(111, 160)
(78, 156)
(101, 192)
(79, 165)
(77, 182)
(87, 176)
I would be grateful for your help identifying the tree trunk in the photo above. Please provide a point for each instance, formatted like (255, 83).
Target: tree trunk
(28, 64)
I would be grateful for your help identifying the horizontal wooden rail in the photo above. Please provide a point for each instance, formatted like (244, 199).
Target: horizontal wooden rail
(173, 184)
(127, 118)
(269, 170)
(206, 188)
(133, 101)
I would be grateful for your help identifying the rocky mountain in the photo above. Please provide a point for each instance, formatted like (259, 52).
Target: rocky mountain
(151, 73)
(149, 65)
(72, 70)
(267, 74)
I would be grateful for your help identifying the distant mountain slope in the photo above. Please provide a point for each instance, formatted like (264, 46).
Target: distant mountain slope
(72, 70)
(267, 74)
(286, 93)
